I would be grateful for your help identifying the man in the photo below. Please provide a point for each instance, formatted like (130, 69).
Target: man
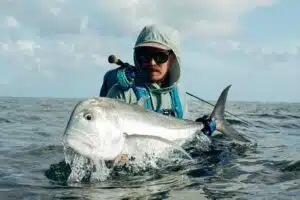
(155, 77)
(157, 61)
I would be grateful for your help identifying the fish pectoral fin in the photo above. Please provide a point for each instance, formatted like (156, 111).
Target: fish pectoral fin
(161, 139)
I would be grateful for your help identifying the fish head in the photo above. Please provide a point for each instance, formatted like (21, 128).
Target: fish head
(93, 129)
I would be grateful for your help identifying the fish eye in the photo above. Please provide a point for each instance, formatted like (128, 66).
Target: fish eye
(87, 116)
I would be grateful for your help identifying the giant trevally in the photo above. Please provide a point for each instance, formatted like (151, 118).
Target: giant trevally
(103, 128)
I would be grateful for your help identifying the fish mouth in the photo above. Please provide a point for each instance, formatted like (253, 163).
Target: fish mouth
(79, 144)
(93, 147)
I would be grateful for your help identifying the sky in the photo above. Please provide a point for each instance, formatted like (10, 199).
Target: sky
(60, 48)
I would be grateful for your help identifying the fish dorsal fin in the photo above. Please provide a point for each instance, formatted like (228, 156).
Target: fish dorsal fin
(161, 139)
(142, 101)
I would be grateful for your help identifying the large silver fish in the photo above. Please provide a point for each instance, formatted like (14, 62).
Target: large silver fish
(103, 128)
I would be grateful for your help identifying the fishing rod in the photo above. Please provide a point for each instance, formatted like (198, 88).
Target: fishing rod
(214, 106)
(115, 60)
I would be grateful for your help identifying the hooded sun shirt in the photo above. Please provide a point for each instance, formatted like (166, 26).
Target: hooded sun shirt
(161, 37)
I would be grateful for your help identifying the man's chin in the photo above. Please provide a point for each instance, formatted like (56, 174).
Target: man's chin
(155, 77)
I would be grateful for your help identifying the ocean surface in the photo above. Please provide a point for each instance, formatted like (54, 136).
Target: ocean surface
(32, 158)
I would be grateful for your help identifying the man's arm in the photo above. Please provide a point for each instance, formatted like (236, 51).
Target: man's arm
(115, 93)
(119, 75)
(127, 95)
(109, 79)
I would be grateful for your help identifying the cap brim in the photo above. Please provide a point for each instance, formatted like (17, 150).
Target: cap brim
(154, 45)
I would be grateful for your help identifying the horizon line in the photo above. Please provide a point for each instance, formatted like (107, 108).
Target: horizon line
(192, 99)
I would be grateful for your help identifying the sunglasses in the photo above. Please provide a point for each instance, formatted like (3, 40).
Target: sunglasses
(159, 57)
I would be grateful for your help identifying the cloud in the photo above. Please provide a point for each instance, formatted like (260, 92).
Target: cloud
(118, 17)
(63, 45)
(263, 53)
(72, 34)
(11, 22)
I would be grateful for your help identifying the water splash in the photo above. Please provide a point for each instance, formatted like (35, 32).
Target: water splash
(101, 172)
(80, 168)
(84, 169)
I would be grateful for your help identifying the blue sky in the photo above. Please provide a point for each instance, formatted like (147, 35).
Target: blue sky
(60, 49)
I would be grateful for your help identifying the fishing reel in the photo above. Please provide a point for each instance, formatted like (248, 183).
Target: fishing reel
(129, 70)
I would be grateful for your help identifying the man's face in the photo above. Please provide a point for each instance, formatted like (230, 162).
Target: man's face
(154, 62)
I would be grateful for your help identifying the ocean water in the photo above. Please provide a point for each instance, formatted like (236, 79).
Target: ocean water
(32, 167)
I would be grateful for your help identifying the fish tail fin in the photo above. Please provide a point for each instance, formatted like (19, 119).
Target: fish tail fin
(218, 114)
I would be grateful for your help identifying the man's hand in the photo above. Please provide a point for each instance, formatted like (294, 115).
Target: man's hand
(209, 125)
(122, 158)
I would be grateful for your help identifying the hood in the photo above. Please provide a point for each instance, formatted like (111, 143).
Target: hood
(162, 35)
